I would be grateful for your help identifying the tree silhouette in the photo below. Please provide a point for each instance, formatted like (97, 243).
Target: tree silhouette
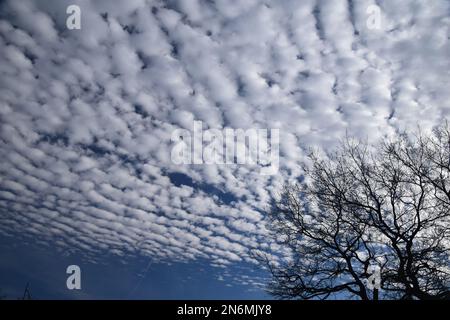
(368, 222)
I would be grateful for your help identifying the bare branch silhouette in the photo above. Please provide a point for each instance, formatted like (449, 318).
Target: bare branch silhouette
(364, 207)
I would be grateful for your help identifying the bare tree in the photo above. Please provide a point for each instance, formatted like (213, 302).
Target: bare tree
(365, 211)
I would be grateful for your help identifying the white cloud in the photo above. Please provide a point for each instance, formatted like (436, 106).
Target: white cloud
(87, 115)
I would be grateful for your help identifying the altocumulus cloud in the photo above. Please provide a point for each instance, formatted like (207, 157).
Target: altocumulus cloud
(87, 115)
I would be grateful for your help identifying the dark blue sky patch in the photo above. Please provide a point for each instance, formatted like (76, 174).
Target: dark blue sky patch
(180, 179)
(111, 277)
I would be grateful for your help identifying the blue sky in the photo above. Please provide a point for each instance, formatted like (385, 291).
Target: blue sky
(88, 116)
(113, 278)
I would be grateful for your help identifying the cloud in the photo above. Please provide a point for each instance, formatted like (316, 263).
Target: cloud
(87, 115)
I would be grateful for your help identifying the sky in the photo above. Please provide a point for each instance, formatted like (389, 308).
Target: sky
(87, 118)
